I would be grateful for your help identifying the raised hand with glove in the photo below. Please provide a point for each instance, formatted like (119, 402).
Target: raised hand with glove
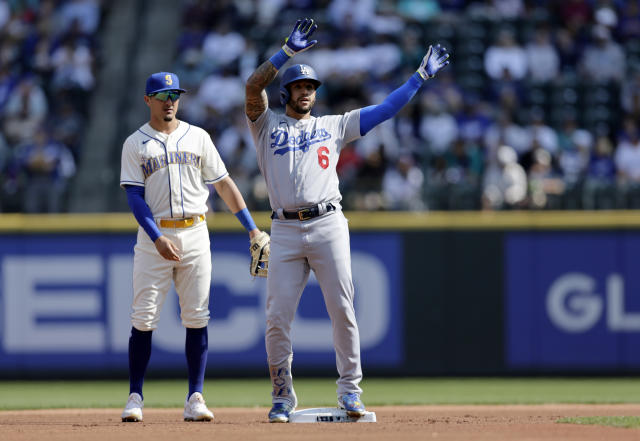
(437, 57)
(296, 42)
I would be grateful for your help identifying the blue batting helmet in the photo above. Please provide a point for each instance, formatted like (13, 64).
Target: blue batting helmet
(295, 73)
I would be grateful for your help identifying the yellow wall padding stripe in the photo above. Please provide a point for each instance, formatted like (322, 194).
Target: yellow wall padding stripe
(365, 221)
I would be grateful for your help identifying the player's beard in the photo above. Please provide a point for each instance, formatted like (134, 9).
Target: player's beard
(168, 118)
(303, 109)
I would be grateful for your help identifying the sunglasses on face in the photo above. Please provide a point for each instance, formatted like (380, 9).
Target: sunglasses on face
(163, 96)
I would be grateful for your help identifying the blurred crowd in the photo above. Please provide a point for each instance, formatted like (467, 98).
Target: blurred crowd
(47, 71)
(538, 109)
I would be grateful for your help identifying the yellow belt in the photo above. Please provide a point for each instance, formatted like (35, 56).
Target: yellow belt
(181, 223)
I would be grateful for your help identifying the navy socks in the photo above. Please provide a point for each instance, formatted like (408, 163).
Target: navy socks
(139, 354)
(196, 350)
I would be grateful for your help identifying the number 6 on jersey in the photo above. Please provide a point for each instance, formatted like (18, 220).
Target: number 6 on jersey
(323, 159)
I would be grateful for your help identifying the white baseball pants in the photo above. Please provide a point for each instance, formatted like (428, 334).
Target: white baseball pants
(152, 276)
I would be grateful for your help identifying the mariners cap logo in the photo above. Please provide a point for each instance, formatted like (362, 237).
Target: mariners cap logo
(304, 70)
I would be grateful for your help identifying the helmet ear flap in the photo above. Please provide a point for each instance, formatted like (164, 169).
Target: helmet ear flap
(284, 96)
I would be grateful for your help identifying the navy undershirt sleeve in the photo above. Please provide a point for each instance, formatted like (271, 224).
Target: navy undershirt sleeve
(371, 116)
(141, 211)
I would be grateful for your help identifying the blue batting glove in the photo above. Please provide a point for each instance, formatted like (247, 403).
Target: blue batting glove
(298, 41)
(436, 59)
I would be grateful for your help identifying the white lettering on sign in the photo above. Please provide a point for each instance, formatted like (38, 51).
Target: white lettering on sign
(56, 304)
(39, 294)
(574, 306)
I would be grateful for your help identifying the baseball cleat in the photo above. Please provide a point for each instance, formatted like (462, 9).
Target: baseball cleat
(352, 404)
(132, 412)
(195, 409)
(279, 413)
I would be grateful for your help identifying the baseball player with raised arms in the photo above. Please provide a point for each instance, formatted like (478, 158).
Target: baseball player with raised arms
(166, 167)
(297, 154)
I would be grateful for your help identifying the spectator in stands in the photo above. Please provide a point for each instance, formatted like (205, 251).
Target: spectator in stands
(569, 50)
(351, 14)
(402, 185)
(232, 146)
(542, 133)
(542, 58)
(349, 164)
(605, 14)
(222, 46)
(383, 135)
(545, 185)
(221, 92)
(67, 125)
(85, 13)
(5, 155)
(464, 162)
(25, 111)
(368, 184)
(46, 166)
(72, 62)
(190, 68)
(574, 14)
(473, 120)
(505, 131)
(418, 10)
(8, 81)
(603, 60)
(573, 161)
(570, 134)
(5, 13)
(627, 161)
(599, 191)
(630, 94)
(504, 183)
(505, 59)
(406, 130)
(437, 127)
(629, 24)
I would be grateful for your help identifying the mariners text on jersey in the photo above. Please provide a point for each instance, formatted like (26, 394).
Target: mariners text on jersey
(301, 142)
(151, 165)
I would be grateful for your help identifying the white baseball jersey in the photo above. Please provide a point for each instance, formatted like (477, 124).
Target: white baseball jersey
(298, 158)
(174, 169)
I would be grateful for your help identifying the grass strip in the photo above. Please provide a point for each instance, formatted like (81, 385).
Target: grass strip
(321, 392)
(628, 422)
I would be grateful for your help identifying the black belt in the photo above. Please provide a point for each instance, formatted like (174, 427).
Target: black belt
(303, 213)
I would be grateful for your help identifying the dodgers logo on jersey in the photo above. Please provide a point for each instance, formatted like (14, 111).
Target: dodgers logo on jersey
(284, 143)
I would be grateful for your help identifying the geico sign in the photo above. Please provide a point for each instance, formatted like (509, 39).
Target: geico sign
(573, 304)
(81, 304)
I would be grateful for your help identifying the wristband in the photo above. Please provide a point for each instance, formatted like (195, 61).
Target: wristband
(245, 219)
(279, 59)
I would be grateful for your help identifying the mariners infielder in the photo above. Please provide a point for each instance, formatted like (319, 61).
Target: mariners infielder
(297, 154)
(166, 166)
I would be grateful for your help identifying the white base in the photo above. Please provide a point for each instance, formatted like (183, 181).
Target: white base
(329, 415)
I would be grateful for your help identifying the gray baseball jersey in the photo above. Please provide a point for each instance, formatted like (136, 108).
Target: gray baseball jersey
(298, 158)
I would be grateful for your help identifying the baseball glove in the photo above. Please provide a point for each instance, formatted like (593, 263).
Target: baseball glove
(260, 250)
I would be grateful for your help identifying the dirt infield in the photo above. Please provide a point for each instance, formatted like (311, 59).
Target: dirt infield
(517, 422)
